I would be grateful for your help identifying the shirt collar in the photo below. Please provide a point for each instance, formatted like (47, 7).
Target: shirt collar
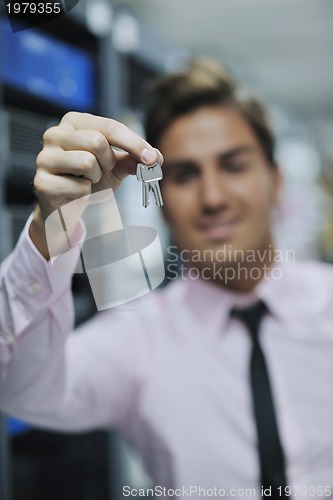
(280, 291)
(212, 303)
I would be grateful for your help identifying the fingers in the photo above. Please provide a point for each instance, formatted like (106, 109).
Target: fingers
(90, 141)
(57, 190)
(126, 165)
(78, 158)
(116, 133)
(75, 163)
(54, 192)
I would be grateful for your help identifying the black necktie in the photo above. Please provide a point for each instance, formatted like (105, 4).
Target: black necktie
(272, 463)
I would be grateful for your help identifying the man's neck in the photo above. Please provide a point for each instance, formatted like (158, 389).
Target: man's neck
(245, 276)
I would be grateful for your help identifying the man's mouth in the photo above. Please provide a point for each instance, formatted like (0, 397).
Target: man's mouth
(218, 229)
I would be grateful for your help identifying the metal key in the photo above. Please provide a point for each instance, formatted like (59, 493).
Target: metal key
(145, 186)
(149, 176)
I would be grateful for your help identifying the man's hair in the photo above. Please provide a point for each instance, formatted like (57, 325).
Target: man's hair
(203, 83)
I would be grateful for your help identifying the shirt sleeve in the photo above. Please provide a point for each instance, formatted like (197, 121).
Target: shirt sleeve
(29, 286)
(51, 376)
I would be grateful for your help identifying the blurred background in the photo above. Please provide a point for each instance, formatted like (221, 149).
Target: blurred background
(99, 58)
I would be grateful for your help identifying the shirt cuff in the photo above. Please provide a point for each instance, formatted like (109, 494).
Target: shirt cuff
(32, 282)
(59, 273)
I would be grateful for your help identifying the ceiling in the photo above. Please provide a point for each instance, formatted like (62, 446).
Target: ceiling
(283, 48)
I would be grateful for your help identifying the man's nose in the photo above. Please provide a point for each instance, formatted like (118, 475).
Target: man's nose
(213, 191)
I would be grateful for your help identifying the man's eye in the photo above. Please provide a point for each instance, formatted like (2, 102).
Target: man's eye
(235, 166)
(183, 177)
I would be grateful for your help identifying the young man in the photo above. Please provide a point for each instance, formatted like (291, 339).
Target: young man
(185, 376)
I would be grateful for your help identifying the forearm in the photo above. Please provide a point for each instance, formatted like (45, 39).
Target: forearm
(37, 233)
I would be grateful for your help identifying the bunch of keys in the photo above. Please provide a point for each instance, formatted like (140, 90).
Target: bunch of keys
(149, 177)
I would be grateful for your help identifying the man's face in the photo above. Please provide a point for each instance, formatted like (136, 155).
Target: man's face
(218, 186)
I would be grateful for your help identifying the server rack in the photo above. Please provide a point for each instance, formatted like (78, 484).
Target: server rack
(36, 464)
(121, 75)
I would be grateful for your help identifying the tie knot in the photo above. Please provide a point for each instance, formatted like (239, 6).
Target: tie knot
(251, 316)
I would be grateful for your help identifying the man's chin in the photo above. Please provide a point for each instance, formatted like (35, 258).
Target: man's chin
(221, 250)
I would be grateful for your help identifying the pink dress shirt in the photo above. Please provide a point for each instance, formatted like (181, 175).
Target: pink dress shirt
(170, 371)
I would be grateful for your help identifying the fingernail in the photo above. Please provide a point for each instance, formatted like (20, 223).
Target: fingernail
(148, 156)
(160, 156)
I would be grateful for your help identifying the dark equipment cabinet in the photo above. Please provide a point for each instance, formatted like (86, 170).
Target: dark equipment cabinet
(36, 464)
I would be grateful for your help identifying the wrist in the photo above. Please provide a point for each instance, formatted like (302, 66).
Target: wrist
(37, 233)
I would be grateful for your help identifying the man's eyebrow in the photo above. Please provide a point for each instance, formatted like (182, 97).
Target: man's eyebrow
(174, 165)
(228, 155)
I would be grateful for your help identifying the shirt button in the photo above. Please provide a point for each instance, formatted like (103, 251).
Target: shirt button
(36, 287)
